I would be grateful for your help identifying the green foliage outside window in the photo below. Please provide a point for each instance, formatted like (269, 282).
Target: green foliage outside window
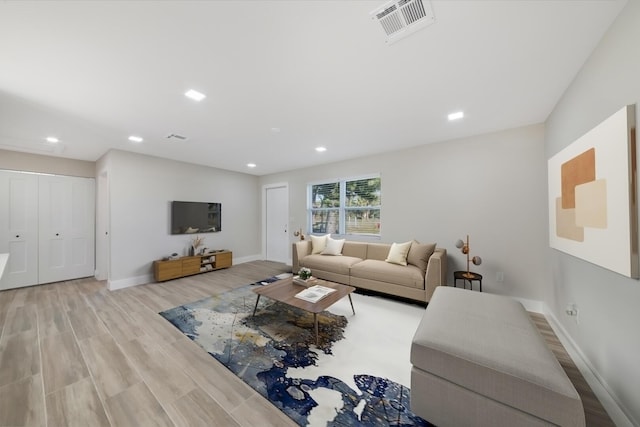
(346, 207)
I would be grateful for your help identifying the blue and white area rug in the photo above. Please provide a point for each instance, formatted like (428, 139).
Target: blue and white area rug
(358, 376)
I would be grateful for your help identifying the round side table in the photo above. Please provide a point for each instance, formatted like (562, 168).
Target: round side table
(462, 275)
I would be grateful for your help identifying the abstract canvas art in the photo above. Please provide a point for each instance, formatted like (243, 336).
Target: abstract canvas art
(592, 196)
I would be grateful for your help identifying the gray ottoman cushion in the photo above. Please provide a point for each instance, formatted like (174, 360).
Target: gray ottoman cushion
(488, 345)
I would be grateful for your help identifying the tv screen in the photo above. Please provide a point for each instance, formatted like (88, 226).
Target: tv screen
(195, 217)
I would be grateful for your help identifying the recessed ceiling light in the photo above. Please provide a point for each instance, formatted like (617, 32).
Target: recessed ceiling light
(275, 130)
(251, 165)
(52, 139)
(321, 149)
(195, 95)
(455, 116)
(134, 138)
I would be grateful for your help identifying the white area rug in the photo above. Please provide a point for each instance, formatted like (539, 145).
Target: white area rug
(359, 376)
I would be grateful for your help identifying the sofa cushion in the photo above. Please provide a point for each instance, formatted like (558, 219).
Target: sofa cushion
(318, 243)
(381, 271)
(334, 247)
(355, 249)
(378, 251)
(419, 254)
(398, 253)
(334, 264)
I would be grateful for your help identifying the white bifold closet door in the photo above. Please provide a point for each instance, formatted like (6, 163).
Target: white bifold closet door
(66, 228)
(19, 228)
(47, 225)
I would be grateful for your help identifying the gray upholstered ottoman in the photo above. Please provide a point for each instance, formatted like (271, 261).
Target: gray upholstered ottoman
(478, 360)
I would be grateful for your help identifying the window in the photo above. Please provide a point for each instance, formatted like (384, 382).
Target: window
(349, 206)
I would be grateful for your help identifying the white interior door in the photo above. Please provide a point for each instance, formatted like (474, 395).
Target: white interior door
(19, 228)
(277, 224)
(66, 228)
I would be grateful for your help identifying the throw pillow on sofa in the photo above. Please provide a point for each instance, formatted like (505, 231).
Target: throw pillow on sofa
(334, 246)
(419, 254)
(398, 253)
(318, 243)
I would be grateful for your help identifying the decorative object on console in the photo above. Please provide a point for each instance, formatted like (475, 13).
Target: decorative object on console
(299, 233)
(196, 242)
(465, 249)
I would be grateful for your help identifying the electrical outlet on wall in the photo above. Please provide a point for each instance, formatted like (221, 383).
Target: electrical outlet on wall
(500, 276)
(572, 310)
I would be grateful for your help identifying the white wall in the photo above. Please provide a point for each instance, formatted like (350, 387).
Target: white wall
(141, 189)
(609, 314)
(492, 187)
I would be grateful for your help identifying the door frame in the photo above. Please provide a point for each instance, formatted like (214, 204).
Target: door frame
(103, 237)
(265, 188)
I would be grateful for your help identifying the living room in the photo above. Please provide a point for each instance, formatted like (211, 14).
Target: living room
(492, 186)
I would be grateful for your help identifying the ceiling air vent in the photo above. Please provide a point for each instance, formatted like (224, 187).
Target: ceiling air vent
(400, 18)
(176, 137)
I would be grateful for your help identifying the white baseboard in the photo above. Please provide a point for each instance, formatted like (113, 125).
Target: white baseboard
(113, 285)
(531, 305)
(599, 386)
(249, 258)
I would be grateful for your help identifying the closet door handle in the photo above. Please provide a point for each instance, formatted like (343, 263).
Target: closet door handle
(17, 236)
(57, 234)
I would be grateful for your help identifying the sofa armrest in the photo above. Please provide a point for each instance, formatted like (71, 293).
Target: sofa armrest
(436, 274)
(300, 250)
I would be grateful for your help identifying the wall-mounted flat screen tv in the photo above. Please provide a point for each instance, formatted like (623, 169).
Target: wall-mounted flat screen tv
(195, 217)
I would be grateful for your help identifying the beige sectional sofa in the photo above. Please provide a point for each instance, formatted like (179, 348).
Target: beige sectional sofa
(363, 265)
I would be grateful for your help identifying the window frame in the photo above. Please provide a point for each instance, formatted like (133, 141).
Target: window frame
(343, 209)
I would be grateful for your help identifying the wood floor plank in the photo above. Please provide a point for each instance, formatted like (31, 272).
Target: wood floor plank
(213, 377)
(85, 322)
(76, 405)
(258, 411)
(136, 406)
(62, 362)
(595, 415)
(20, 319)
(119, 324)
(158, 371)
(52, 319)
(198, 409)
(69, 297)
(21, 297)
(22, 403)
(111, 370)
(19, 357)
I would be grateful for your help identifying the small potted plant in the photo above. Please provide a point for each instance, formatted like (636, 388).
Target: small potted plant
(304, 277)
(304, 273)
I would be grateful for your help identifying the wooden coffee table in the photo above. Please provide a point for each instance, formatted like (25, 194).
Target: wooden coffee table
(285, 290)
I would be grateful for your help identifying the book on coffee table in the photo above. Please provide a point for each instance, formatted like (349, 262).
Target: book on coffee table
(314, 293)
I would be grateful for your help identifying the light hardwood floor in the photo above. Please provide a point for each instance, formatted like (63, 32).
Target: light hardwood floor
(76, 354)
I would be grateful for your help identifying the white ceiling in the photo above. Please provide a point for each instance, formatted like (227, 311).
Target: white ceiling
(92, 73)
